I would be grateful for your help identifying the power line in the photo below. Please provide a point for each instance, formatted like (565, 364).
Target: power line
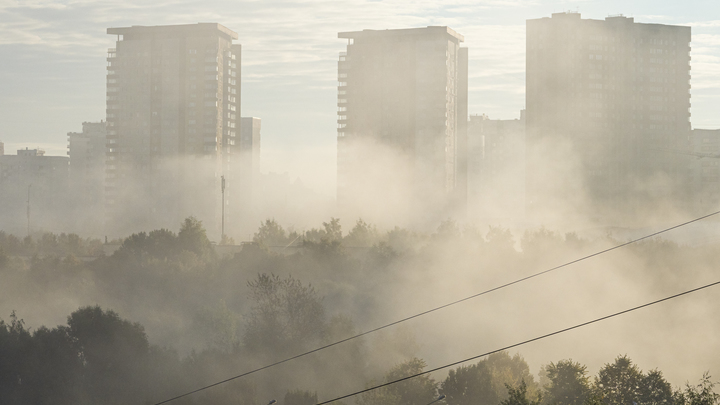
(521, 343)
(438, 308)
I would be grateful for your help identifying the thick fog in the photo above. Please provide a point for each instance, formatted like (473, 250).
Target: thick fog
(199, 267)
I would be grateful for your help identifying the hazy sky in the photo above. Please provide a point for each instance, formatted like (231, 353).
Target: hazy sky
(52, 61)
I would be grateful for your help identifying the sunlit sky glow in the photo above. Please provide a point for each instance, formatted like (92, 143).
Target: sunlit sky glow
(52, 61)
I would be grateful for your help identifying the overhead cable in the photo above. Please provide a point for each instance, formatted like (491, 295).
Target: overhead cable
(520, 343)
(520, 280)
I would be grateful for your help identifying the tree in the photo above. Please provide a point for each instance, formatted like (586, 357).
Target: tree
(4, 259)
(362, 234)
(510, 370)
(519, 396)
(300, 397)
(270, 233)
(333, 229)
(286, 316)
(218, 326)
(655, 390)
(619, 383)
(416, 391)
(469, 385)
(54, 369)
(160, 244)
(331, 232)
(700, 394)
(568, 383)
(420, 390)
(448, 230)
(114, 352)
(192, 237)
(500, 241)
(15, 349)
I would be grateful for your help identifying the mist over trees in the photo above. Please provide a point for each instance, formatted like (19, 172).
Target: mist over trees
(166, 313)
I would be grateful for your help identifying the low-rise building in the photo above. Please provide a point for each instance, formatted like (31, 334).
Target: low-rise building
(33, 185)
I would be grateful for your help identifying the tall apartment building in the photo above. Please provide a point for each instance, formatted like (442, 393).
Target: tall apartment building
(603, 97)
(402, 116)
(173, 105)
(496, 169)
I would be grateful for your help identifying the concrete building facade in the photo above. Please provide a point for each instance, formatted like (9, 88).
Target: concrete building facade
(603, 97)
(173, 109)
(496, 170)
(402, 115)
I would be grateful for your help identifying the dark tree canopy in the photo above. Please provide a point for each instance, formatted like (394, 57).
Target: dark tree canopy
(569, 383)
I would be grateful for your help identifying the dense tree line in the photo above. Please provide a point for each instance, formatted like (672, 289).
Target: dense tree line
(209, 317)
(100, 358)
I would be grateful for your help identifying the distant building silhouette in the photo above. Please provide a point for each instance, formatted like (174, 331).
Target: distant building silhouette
(248, 175)
(173, 109)
(402, 116)
(705, 168)
(602, 97)
(496, 169)
(45, 180)
(87, 153)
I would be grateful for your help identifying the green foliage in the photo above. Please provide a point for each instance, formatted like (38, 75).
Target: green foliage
(49, 244)
(655, 390)
(619, 382)
(420, 390)
(519, 396)
(15, 349)
(510, 370)
(193, 238)
(113, 350)
(300, 397)
(218, 326)
(380, 396)
(97, 358)
(331, 232)
(568, 384)
(270, 233)
(402, 240)
(286, 316)
(416, 391)
(467, 385)
(361, 235)
(487, 381)
(701, 394)
(500, 240)
(447, 231)
(4, 259)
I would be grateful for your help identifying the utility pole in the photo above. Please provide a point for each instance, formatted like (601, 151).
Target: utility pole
(222, 226)
(28, 211)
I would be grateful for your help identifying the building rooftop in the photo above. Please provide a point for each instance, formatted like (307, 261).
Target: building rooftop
(199, 28)
(431, 30)
(614, 19)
